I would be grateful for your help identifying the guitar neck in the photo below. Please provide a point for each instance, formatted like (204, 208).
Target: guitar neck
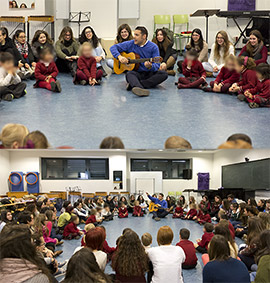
(141, 60)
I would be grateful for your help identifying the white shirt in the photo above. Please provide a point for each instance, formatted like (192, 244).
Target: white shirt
(100, 256)
(167, 263)
(214, 61)
(8, 79)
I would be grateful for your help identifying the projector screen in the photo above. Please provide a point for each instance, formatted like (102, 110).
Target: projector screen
(247, 175)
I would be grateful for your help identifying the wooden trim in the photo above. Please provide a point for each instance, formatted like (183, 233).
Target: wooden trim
(101, 194)
(12, 19)
(16, 194)
(88, 195)
(49, 19)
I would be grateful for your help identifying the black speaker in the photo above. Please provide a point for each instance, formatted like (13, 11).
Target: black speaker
(187, 174)
(117, 176)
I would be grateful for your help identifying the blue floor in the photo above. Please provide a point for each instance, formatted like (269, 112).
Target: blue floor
(140, 226)
(81, 116)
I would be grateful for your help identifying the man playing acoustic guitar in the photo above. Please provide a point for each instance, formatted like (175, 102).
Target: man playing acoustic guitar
(161, 206)
(147, 75)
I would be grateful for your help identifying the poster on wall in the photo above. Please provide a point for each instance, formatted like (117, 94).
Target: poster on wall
(21, 4)
(241, 5)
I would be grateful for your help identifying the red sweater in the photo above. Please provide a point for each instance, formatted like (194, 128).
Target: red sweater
(122, 212)
(91, 219)
(178, 210)
(231, 228)
(190, 252)
(41, 71)
(137, 210)
(71, 228)
(191, 213)
(227, 77)
(263, 53)
(248, 80)
(107, 249)
(88, 66)
(205, 218)
(196, 69)
(206, 238)
(262, 89)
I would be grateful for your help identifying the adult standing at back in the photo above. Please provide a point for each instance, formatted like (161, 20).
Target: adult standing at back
(219, 51)
(147, 75)
(222, 267)
(255, 48)
(166, 259)
(66, 49)
(199, 44)
(88, 35)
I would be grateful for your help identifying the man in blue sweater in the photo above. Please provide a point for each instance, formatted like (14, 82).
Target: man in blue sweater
(162, 204)
(148, 74)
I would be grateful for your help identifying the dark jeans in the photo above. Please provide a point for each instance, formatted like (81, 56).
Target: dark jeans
(160, 213)
(17, 90)
(55, 235)
(188, 266)
(65, 66)
(247, 260)
(201, 250)
(145, 79)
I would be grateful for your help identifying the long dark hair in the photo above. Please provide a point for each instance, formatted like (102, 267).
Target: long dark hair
(119, 37)
(259, 36)
(166, 41)
(17, 33)
(16, 242)
(4, 216)
(123, 262)
(218, 248)
(200, 43)
(63, 33)
(83, 37)
(83, 268)
(37, 35)
(264, 245)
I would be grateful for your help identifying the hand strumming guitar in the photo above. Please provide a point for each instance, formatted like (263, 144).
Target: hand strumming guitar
(123, 59)
(148, 64)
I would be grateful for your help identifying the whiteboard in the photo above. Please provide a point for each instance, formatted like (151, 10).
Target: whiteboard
(62, 9)
(129, 9)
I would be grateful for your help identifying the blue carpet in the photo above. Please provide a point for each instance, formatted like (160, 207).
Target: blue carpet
(140, 226)
(81, 116)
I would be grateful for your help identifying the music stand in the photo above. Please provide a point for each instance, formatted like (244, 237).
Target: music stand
(205, 13)
(79, 17)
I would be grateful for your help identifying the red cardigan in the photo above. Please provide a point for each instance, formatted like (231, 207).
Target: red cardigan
(263, 53)
(227, 77)
(196, 69)
(191, 213)
(206, 238)
(137, 210)
(205, 218)
(107, 249)
(190, 252)
(88, 66)
(122, 212)
(262, 89)
(41, 71)
(91, 219)
(248, 80)
(71, 228)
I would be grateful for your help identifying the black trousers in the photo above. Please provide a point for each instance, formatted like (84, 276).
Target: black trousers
(145, 79)
(188, 266)
(160, 213)
(65, 66)
(201, 250)
(17, 90)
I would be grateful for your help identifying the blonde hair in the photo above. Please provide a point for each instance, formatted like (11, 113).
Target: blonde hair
(226, 45)
(230, 57)
(85, 44)
(238, 144)
(146, 239)
(164, 235)
(38, 139)
(174, 142)
(89, 226)
(136, 203)
(12, 133)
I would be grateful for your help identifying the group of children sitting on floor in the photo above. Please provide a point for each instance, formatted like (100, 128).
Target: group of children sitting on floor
(239, 76)
(249, 221)
(17, 136)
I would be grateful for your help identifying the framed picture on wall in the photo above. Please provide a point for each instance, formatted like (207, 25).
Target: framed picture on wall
(241, 5)
(21, 4)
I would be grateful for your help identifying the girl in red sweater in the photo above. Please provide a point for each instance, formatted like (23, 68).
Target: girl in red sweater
(193, 71)
(226, 77)
(260, 95)
(71, 231)
(122, 211)
(46, 71)
(192, 213)
(87, 72)
(178, 211)
(137, 210)
(245, 67)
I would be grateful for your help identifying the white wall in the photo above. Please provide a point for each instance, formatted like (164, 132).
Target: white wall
(4, 171)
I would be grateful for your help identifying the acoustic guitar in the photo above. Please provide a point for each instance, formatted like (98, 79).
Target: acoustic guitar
(154, 207)
(134, 61)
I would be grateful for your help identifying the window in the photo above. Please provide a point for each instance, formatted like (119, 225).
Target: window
(171, 168)
(75, 168)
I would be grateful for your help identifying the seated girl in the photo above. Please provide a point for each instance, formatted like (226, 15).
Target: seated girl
(167, 53)
(259, 96)
(41, 40)
(255, 48)
(93, 218)
(71, 231)
(87, 72)
(80, 212)
(137, 210)
(203, 216)
(27, 63)
(205, 203)
(122, 211)
(245, 67)
(143, 203)
(178, 211)
(192, 212)
(46, 72)
(193, 71)
(226, 77)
